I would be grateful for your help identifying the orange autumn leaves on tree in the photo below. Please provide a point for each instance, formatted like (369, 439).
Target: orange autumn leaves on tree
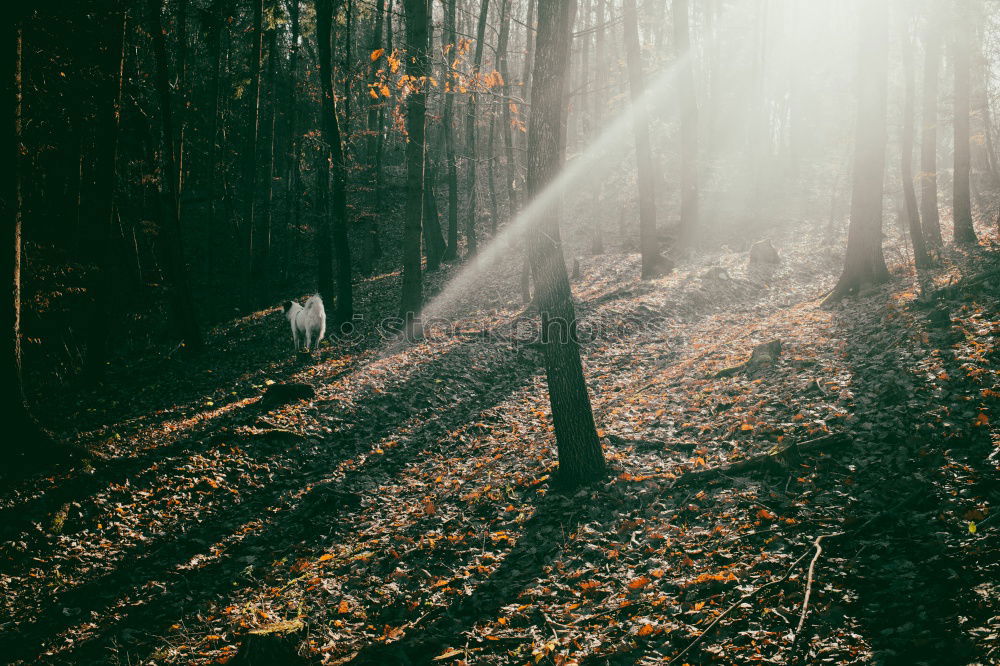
(386, 80)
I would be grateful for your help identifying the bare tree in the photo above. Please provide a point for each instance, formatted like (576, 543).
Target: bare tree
(418, 68)
(470, 130)
(864, 264)
(689, 123)
(580, 455)
(929, 215)
(962, 198)
(176, 270)
(920, 256)
(652, 263)
(335, 218)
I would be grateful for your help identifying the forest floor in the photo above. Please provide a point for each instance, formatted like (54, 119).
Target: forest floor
(405, 514)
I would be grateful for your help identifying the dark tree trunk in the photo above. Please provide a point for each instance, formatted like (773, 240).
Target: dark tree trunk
(580, 456)
(689, 124)
(434, 244)
(250, 223)
(470, 133)
(180, 293)
(600, 101)
(448, 127)
(417, 67)
(263, 259)
(216, 27)
(929, 214)
(510, 166)
(373, 147)
(336, 217)
(962, 197)
(864, 264)
(920, 257)
(652, 262)
(26, 440)
(103, 247)
(292, 113)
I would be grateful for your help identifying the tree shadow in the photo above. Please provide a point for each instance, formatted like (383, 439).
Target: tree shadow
(914, 576)
(539, 544)
(132, 594)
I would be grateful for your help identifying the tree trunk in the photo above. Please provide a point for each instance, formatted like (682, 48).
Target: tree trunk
(929, 214)
(448, 127)
(506, 119)
(920, 257)
(962, 198)
(263, 260)
(373, 147)
(434, 244)
(580, 455)
(292, 113)
(26, 440)
(417, 67)
(864, 264)
(103, 247)
(600, 100)
(652, 262)
(470, 132)
(216, 26)
(180, 292)
(336, 217)
(689, 124)
(250, 223)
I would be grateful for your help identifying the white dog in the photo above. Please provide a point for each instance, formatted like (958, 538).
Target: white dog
(308, 323)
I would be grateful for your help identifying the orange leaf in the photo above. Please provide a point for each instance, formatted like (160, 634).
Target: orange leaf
(982, 419)
(638, 583)
(645, 630)
(746, 426)
(324, 558)
(376, 54)
(698, 606)
(344, 608)
(766, 515)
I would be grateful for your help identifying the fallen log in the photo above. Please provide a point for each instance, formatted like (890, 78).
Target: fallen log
(777, 457)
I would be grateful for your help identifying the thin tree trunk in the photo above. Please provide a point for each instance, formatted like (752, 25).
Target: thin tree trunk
(470, 132)
(417, 67)
(864, 264)
(929, 214)
(529, 56)
(336, 217)
(103, 246)
(600, 102)
(491, 163)
(292, 113)
(264, 242)
(180, 293)
(689, 124)
(448, 126)
(962, 198)
(506, 119)
(216, 26)
(25, 438)
(580, 456)
(374, 140)
(920, 257)
(434, 244)
(250, 223)
(652, 262)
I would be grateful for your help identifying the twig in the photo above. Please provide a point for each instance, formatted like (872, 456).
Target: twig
(736, 604)
(809, 583)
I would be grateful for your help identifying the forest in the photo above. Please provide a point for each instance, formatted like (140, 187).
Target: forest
(568, 332)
